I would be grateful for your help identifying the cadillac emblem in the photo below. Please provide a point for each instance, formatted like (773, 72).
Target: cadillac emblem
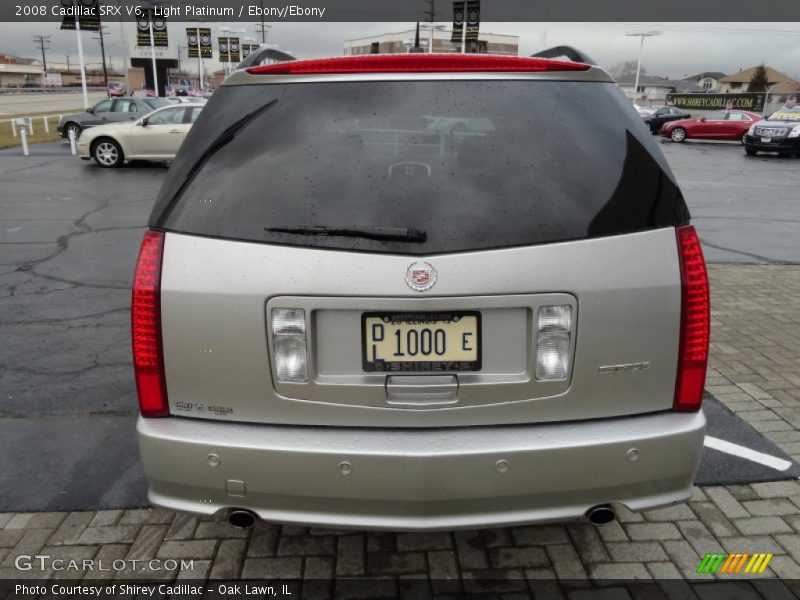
(420, 276)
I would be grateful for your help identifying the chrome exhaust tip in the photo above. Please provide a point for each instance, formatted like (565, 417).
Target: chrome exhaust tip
(242, 518)
(602, 514)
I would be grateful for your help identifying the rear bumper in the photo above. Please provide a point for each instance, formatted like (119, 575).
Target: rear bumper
(421, 479)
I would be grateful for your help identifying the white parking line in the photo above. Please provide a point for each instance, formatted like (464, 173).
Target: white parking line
(742, 452)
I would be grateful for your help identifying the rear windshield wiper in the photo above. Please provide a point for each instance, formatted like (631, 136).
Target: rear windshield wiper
(393, 234)
(222, 140)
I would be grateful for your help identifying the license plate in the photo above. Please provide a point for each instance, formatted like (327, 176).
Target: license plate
(440, 341)
(766, 140)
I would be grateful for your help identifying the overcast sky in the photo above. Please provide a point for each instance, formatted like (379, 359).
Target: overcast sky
(681, 49)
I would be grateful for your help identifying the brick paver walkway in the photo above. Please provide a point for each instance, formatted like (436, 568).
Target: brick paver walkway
(754, 371)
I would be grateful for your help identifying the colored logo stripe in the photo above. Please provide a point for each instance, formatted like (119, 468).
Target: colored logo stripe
(722, 562)
(711, 563)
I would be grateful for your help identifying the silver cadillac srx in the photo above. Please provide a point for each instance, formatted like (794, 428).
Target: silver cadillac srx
(420, 292)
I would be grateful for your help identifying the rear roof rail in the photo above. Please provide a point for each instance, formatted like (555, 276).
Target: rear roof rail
(417, 63)
(566, 51)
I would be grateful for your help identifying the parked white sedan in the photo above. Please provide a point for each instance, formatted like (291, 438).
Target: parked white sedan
(156, 136)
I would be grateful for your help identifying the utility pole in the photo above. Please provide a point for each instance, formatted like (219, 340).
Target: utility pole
(42, 40)
(103, 54)
(67, 56)
(641, 35)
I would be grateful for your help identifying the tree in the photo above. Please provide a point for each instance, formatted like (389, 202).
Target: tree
(759, 82)
(624, 69)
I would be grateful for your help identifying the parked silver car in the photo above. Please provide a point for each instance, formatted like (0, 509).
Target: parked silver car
(111, 110)
(419, 292)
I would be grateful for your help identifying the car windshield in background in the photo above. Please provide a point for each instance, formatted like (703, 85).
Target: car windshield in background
(155, 103)
(785, 114)
(473, 164)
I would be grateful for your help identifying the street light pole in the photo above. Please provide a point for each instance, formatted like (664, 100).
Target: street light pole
(153, 56)
(125, 57)
(641, 35)
(766, 98)
(263, 27)
(432, 15)
(82, 64)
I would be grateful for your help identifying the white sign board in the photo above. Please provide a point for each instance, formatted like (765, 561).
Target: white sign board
(52, 80)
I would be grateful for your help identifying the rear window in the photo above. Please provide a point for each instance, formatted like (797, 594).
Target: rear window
(472, 164)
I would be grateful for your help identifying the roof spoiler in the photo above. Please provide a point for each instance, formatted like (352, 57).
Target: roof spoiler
(565, 51)
(264, 53)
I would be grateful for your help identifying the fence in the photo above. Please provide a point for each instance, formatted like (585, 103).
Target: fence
(7, 91)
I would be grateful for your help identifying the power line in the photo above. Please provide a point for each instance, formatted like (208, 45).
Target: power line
(103, 52)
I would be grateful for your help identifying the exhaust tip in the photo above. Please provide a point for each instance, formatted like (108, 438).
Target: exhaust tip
(602, 514)
(242, 518)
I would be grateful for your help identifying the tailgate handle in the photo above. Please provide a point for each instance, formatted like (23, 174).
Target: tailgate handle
(421, 390)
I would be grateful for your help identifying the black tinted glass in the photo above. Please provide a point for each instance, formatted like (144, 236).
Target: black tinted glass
(473, 164)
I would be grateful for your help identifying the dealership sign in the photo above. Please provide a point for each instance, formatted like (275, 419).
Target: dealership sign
(203, 35)
(702, 101)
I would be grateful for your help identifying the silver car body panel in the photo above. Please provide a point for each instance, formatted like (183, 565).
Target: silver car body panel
(215, 297)
(421, 479)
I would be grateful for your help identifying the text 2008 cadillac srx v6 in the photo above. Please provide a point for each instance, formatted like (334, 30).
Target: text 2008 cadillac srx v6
(420, 292)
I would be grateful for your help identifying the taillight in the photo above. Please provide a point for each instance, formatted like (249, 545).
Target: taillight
(695, 322)
(417, 63)
(148, 359)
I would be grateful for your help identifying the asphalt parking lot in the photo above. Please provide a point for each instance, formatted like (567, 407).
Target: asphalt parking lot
(745, 208)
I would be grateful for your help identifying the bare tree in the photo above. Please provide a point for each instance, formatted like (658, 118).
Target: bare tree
(622, 69)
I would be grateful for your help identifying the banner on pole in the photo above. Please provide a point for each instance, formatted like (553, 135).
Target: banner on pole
(88, 12)
(229, 49)
(473, 20)
(224, 54)
(459, 7)
(233, 48)
(248, 49)
(205, 41)
(160, 34)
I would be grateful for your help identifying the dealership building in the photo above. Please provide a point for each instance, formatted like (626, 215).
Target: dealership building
(400, 42)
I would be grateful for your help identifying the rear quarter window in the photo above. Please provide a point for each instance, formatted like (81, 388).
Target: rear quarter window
(475, 164)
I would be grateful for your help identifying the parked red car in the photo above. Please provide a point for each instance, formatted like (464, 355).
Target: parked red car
(115, 89)
(723, 125)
